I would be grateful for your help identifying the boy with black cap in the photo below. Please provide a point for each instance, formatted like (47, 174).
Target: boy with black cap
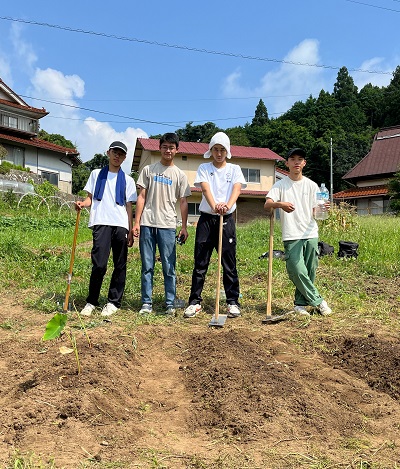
(221, 184)
(296, 197)
(110, 194)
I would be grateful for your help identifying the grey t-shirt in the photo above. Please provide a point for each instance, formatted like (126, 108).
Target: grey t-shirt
(164, 186)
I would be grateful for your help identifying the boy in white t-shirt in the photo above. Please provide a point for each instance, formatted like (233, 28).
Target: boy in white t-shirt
(296, 197)
(221, 183)
(110, 194)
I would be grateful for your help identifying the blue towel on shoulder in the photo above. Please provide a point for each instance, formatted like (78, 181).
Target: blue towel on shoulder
(120, 190)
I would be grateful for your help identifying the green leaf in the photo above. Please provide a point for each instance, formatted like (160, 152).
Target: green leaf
(55, 326)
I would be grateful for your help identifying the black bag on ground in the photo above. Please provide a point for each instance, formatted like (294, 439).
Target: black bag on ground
(348, 249)
(325, 249)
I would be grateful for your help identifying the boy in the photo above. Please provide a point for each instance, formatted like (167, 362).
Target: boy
(160, 185)
(221, 183)
(110, 194)
(296, 197)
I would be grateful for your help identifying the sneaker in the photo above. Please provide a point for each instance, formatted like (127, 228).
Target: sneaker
(146, 309)
(301, 310)
(109, 309)
(170, 311)
(88, 310)
(324, 309)
(233, 311)
(191, 311)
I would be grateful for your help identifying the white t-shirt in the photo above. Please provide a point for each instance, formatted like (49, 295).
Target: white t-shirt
(221, 181)
(299, 224)
(164, 186)
(106, 211)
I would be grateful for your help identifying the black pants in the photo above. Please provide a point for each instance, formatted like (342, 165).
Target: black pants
(105, 239)
(207, 234)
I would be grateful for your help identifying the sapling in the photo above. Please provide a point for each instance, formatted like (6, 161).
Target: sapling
(56, 326)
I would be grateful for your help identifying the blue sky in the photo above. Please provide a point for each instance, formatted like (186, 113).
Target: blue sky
(132, 71)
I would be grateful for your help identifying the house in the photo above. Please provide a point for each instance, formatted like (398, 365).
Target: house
(371, 175)
(19, 127)
(258, 166)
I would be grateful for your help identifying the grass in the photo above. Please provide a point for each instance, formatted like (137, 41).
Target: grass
(35, 251)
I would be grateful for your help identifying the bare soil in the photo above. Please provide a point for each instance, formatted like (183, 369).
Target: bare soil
(178, 394)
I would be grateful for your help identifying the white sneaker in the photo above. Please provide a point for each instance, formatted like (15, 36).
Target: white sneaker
(88, 310)
(233, 311)
(146, 309)
(301, 310)
(109, 309)
(324, 309)
(191, 311)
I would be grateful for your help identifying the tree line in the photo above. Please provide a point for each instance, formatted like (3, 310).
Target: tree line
(348, 116)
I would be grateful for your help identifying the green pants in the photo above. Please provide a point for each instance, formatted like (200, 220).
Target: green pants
(301, 266)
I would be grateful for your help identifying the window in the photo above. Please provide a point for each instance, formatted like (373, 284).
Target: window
(193, 209)
(184, 157)
(251, 175)
(10, 121)
(51, 177)
(15, 155)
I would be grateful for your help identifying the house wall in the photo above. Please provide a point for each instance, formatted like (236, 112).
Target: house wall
(39, 160)
(373, 182)
(248, 207)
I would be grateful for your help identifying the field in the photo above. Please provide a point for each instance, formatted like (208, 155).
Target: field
(165, 392)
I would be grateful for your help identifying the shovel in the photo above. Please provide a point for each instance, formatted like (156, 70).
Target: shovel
(218, 320)
(71, 263)
(271, 319)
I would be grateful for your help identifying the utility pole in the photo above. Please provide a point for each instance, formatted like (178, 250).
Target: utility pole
(331, 191)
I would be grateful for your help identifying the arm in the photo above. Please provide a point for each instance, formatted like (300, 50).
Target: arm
(141, 200)
(205, 187)
(80, 204)
(130, 223)
(270, 205)
(184, 214)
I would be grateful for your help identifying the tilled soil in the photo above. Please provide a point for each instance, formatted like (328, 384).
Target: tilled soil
(179, 395)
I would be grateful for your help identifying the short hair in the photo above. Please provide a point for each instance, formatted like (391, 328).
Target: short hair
(169, 137)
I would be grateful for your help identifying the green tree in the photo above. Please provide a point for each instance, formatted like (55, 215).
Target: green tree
(57, 139)
(394, 193)
(261, 115)
(80, 175)
(197, 133)
(238, 136)
(392, 100)
(371, 101)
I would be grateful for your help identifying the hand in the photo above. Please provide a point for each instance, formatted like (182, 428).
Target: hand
(183, 232)
(288, 207)
(221, 208)
(130, 239)
(79, 205)
(136, 231)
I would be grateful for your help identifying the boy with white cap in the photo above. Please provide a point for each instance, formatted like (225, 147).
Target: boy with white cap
(221, 184)
(110, 194)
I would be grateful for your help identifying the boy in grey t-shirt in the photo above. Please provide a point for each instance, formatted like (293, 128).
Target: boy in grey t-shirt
(160, 186)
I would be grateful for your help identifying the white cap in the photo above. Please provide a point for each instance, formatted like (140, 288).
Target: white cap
(220, 138)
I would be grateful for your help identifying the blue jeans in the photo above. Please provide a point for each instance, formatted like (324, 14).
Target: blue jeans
(165, 239)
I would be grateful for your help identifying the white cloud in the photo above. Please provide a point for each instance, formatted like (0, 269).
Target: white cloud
(376, 79)
(95, 137)
(22, 49)
(61, 94)
(288, 83)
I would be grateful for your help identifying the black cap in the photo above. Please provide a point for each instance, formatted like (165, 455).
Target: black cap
(296, 151)
(119, 145)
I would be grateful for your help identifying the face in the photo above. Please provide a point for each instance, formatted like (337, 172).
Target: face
(219, 153)
(168, 151)
(296, 163)
(116, 157)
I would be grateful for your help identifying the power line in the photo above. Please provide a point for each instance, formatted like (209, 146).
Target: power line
(187, 48)
(374, 6)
